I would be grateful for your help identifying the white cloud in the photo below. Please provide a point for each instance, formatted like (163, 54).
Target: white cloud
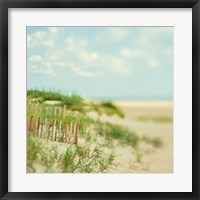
(39, 35)
(126, 52)
(117, 65)
(112, 34)
(35, 58)
(79, 72)
(49, 72)
(168, 51)
(48, 43)
(60, 64)
(75, 52)
(89, 56)
(41, 69)
(40, 38)
(75, 45)
(54, 30)
(152, 62)
(78, 51)
(117, 33)
(134, 53)
(47, 64)
(34, 68)
(29, 38)
(150, 36)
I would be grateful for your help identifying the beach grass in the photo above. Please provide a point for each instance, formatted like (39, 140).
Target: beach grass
(107, 107)
(75, 159)
(158, 119)
(73, 102)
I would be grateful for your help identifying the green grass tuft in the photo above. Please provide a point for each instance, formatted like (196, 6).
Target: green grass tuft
(112, 131)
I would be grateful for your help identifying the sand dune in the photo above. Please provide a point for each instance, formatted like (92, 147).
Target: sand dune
(159, 161)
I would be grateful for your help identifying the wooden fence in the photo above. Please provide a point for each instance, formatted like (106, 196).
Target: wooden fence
(50, 111)
(55, 128)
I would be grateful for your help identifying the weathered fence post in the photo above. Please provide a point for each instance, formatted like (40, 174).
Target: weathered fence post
(38, 126)
(30, 124)
(60, 134)
(46, 129)
(52, 130)
(56, 132)
(76, 124)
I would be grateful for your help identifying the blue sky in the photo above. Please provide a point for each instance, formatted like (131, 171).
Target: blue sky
(114, 62)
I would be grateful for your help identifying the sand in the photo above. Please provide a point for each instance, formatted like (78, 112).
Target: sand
(159, 161)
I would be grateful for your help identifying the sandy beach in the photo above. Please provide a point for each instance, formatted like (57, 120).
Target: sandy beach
(161, 159)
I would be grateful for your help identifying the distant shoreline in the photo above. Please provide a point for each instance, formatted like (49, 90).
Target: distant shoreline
(129, 98)
(145, 104)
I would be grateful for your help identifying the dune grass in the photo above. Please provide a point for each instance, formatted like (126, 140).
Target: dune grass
(111, 131)
(156, 142)
(111, 109)
(124, 136)
(158, 119)
(73, 102)
(75, 159)
(108, 108)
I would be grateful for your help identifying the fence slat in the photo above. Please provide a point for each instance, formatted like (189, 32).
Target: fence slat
(38, 126)
(52, 130)
(42, 127)
(30, 128)
(60, 135)
(76, 133)
(46, 128)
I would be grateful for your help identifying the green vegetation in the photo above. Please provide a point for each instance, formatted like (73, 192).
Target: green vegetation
(124, 136)
(111, 131)
(49, 156)
(108, 108)
(159, 119)
(156, 142)
(34, 147)
(73, 102)
(75, 159)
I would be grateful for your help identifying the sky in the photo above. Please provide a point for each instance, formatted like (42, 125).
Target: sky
(102, 62)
